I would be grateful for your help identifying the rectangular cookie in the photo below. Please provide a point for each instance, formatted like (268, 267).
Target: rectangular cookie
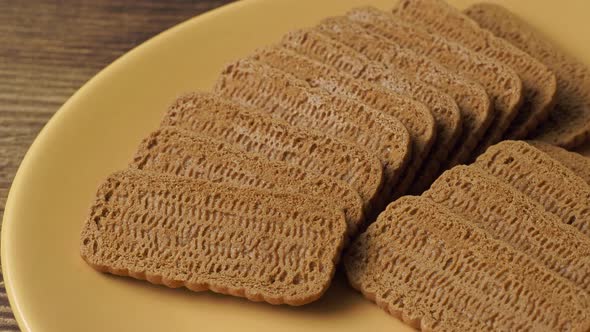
(256, 85)
(512, 217)
(249, 130)
(415, 116)
(542, 178)
(538, 81)
(569, 121)
(500, 81)
(577, 163)
(449, 122)
(177, 152)
(264, 246)
(438, 272)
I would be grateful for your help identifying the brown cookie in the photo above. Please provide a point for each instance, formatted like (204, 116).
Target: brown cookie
(261, 245)
(510, 216)
(542, 178)
(270, 90)
(438, 272)
(500, 81)
(415, 117)
(538, 81)
(249, 130)
(569, 121)
(177, 152)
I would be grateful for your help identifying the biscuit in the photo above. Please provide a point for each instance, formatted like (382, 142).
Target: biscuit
(541, 178)
(249, 130)
(572, 160)
(181, 153)
(538, 81)
(510, 216)
(438, 272)
(259, 86)
(500, 81)
(568, 124)
(261, 245)
(415, 117)
(318, 46)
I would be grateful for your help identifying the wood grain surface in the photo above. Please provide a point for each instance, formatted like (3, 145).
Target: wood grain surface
(48, 49)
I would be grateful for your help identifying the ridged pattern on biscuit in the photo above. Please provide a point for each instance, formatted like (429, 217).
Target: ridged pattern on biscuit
(253, 131)
(542, 179)
(278, 248)
(577, 163)
(257, 85)
(177, 152)
(538, 81)
(510, 216)
(500, 81)
(446, 113)
(471, 98)
(438, 272)
(418, 120)
(568, 124)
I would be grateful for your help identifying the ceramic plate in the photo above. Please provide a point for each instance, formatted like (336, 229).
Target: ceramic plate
(96, 131)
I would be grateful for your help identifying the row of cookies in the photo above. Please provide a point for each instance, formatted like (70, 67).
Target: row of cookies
(345, 116)
(228, 199)
(478, 88)
(556, 86)
(502, 244)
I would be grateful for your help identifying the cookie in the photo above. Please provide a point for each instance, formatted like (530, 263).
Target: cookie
(538, 81)
(500, 81)
(438, 272)
(181, 153)
(249, 130)
(572, 160)
(259, 86)
(542, 178)
(444, 109)
(510, 216)
(414, 116)
(261, 245)
(568, 124)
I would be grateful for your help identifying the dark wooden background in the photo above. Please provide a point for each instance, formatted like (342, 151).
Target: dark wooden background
(48, 49)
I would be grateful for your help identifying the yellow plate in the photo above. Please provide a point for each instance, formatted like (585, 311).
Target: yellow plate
(96, 131)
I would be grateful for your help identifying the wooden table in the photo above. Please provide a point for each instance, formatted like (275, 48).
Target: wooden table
(48, 49)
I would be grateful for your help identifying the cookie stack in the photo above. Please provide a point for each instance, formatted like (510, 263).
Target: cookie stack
(501, 244)
(254, 188)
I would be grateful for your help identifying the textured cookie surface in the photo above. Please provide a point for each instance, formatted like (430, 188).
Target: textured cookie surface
(259, 86)
(418, 120)
(328, 50)
(572, 160)
(538, 81)
(278, 248)
(569, 121)
(500, 81)
(471, 98)
(438, 272)
(177, 152)
(510, 216)
(249, 130)
(541, 178)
